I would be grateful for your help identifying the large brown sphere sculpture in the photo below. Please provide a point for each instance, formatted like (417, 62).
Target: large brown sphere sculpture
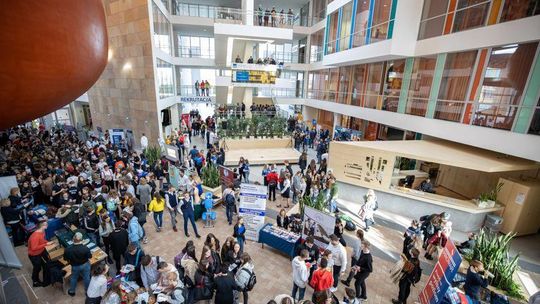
(51, 52)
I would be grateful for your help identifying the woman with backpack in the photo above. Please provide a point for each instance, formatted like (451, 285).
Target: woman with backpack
(245, 276)
(204, 284)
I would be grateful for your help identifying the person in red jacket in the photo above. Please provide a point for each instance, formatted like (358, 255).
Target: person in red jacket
(38, 256)
(322, 278)
(272, 179)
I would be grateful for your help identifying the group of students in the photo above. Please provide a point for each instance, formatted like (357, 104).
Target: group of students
(267, 17)
(202, 88)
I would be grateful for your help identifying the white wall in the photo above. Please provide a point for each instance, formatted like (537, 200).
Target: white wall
(246, 31)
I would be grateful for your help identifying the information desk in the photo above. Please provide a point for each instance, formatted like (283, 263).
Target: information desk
(279, 239)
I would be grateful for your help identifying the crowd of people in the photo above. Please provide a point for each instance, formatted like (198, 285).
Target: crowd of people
(266, 60)
(202, 88)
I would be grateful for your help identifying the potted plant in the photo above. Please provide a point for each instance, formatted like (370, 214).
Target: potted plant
(493, 251)
(152, 154)
(210, 180)
(488, 200)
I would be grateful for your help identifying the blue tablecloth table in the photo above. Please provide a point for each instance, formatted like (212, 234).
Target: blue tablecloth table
(286, 246)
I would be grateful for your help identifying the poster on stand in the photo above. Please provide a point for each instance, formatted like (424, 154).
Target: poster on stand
(226, 177)
(252, 208)
(442, 275)
(319, 225)
(174, 176)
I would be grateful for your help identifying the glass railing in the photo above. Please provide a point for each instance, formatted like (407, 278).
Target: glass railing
(194, 52)
(189, 90)
(236, 15)
(316, 56)
(279, 92)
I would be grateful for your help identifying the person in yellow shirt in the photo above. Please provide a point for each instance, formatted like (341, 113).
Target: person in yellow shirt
(157, 205)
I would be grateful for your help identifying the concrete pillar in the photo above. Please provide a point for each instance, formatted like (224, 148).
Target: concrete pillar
(248, 7)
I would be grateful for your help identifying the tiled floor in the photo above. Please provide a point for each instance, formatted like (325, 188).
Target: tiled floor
(273, 269)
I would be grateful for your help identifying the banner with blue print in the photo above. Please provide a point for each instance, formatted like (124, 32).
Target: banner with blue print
(252, 208)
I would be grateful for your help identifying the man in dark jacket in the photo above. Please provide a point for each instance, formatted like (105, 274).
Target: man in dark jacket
(313, 251)
(78, 256)
(119, 243)
(412, 273)
(224, 284)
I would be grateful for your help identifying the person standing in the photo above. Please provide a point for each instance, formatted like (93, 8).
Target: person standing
(475, 279)
(98, 284)
(207, 87)
(322, 278)
(313, 251)
(197, 88)
(133, 256)
(105, 228)
(144, 142)
(38, 256)
(300, 275)
(286, 190)
(144, 191)
(357, 251)
(188, 214)
(157, 205)
(225, 286)
(243, 275)
(362, 269)
(230, 202)
(272, 179)
(118, 239)
(171, 200)
(78, 256)
(135, 231)
(411, 275)
(339, 258)
(149, 270)
(239, 232)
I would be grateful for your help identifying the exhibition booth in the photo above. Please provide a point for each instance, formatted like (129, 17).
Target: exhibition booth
(416, 177)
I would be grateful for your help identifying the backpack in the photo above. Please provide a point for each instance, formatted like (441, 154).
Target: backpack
(111, 205)
(251, 281)
(230, 200)
(184, 291)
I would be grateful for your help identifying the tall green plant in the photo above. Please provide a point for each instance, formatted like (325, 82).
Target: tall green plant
(492, 250)
(317, 203)
(210, 176)
(152, 154)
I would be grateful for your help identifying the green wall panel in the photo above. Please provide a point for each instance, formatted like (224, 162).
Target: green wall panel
(530, 100)
(435, 85)
(402, 105)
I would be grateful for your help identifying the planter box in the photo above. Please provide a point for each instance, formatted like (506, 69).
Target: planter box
(215, 191)
(485, 204)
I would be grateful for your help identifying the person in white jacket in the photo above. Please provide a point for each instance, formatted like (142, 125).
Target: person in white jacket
(300, 275)
(339, 257)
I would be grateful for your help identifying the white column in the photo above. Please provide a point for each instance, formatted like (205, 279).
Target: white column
(248, 7)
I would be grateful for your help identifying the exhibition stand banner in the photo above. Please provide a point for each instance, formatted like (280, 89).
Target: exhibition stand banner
(253, 209)
(226, 177)
(174, 176)
(442, 275)
(319, 225)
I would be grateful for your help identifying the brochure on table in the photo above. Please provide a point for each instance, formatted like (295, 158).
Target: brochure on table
(252, 208)
(319, 225)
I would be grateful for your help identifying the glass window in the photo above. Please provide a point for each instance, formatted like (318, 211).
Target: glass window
(195, 46)
(433, 18)
(360, 23)
(185, 46)
(421, 79)
(470, 14)
(535, 123)
(373, 84)
(316, 47)
(203, 11)
(194, 10)
(517, 9)
(392, 84)
(165, 78)
(332, 85)
(205, 47)
(345, 33)
(381, 15)
(162, 30)
(359, 78)
(503, 86)
(332, 33)
(457, 73)
(344, 83)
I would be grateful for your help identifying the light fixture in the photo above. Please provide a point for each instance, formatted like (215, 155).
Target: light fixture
(505, 51)
(127, 66)
(110, 55)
